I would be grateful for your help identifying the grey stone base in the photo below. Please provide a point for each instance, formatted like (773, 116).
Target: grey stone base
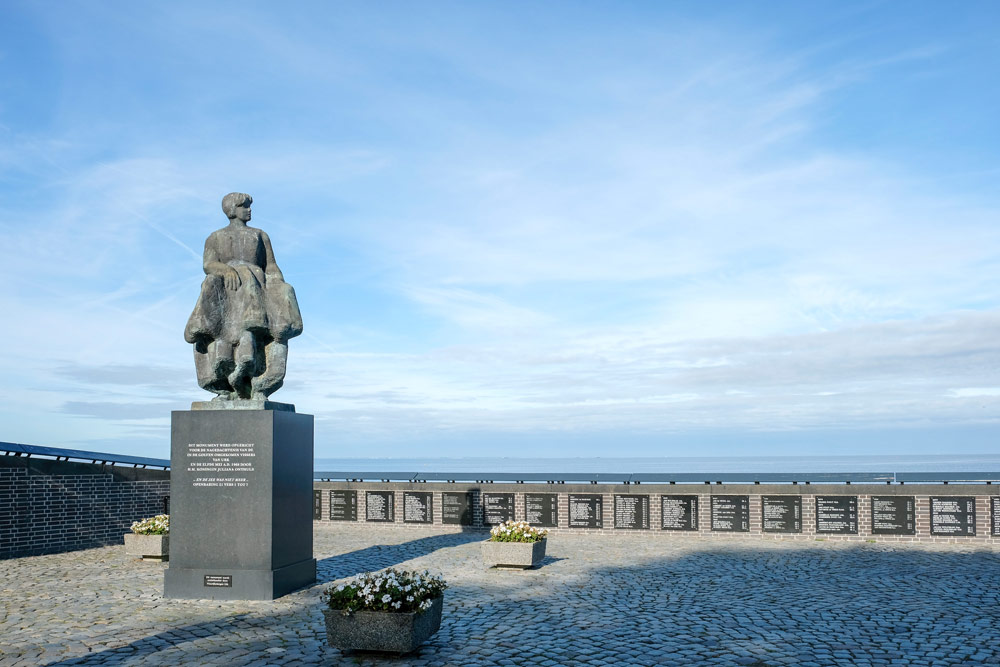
(246, 584)
(147, 547)
(520, 555)
(382, 630)
(241, 501)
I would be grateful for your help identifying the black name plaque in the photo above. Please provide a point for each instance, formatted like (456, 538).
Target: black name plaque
(317, 505)
(380, 506)
(894, 515)
(731, 514)
(541, 509)
(586, 510)
(781, 514)
(343, 505)
(418, 507)
(631, 511)
(995, 515)
(498, 508)
(456, 508)
(679, 512)
(837, 515)
(953, 515)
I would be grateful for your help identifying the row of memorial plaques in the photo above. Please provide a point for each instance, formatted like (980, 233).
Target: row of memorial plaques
(380, 506)
(418, 507)
(835, 515)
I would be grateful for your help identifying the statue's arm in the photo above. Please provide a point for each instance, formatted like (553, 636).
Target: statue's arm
(271, 270)
(214, 267)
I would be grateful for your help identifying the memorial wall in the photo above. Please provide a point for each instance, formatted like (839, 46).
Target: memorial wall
(923, 512)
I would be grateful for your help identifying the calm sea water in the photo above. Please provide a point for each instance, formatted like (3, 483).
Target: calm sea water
(947, 463)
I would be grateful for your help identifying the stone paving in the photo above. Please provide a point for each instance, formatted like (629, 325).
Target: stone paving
(596, 600)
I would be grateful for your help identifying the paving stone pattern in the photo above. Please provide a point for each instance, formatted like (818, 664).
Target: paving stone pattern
(596, 600)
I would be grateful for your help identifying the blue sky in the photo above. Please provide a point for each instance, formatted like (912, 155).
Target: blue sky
(525, 229)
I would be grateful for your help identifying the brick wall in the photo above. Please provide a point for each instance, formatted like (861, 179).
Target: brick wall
(805, 526)
(50, 507)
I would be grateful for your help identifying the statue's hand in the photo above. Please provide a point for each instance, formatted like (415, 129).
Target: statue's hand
(232, 279)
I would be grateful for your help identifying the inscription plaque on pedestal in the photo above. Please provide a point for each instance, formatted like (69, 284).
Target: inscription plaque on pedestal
(731, 514)
(995, 515)
(893, 515)
(456, 508)
(837, 515)
(380, 506)
(541, 509)
(679, 512)
(418, 507)
(317, 505)
(497, 508)
(953, 515)
(781, 514)
(631, 511)
(343, 505)
(586, 510)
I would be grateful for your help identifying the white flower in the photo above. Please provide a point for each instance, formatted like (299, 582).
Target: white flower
(386, 598)
(340, 588)
(397, 605)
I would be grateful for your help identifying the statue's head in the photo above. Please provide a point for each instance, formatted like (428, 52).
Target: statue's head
(235, 200)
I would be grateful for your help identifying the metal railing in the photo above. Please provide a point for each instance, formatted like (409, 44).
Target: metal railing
(666, 477)
(61, 454)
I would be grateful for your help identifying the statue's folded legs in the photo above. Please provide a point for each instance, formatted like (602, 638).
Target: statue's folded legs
(244, 365)
(213, 361)
(276, 354)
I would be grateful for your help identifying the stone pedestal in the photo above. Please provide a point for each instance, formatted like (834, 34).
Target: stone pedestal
(241, 504)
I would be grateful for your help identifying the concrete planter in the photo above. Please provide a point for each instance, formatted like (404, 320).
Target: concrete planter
(386, 631)
(513, 554)
(147, 547)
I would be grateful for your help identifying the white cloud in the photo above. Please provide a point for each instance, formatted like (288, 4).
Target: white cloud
(975, 392)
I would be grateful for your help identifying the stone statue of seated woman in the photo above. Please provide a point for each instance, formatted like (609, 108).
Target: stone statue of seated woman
(246, 311)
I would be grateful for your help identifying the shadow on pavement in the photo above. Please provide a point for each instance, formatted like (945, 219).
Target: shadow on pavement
(135, 651)
(381, 556)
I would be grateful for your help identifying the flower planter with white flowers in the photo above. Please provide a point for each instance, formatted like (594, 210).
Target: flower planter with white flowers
(391, 611)
(150, 538)
(515, 544)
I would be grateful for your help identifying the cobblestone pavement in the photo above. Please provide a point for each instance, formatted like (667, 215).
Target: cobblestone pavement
(596, 600)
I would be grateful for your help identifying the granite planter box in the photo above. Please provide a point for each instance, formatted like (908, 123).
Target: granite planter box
(391, 632)
(513, 554)
(147, 547)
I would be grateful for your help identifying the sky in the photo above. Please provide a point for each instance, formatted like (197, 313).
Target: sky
(515, 229)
